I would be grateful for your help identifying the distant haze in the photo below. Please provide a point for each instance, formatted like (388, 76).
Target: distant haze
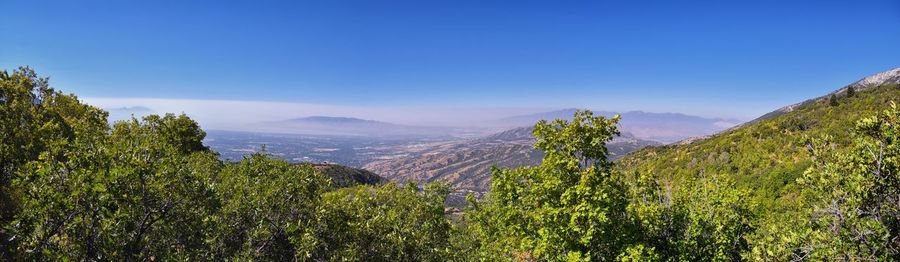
(661, 127)
(317, 119)
(246, 115)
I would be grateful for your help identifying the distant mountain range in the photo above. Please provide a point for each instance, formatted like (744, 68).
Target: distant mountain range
(348, 126)
(661, 127)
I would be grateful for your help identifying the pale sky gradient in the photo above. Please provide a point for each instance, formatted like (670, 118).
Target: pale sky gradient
(412, 58)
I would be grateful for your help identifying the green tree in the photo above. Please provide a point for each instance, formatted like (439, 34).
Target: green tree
(720, 218)
(36, 121)
(851, 199)
(854, 193)
(569, 207)
(380, 223)
(851, 91)
(705, 219)
(130, 194)
(833, 101)
(660, 221)
(265, 203)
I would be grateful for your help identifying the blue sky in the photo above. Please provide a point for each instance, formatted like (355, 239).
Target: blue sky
(736, 59)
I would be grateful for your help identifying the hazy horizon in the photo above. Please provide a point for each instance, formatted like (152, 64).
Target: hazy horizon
(235, 114)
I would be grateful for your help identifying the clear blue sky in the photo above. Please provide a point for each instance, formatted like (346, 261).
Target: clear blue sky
(713, 58)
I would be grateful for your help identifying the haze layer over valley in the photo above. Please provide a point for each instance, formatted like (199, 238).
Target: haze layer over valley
(462, 155)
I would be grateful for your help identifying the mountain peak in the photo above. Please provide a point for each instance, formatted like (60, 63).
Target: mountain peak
(887, 77)
(333, 119)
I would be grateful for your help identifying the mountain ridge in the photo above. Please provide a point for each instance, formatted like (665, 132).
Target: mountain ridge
(661, 127)
(336, 119)
(351, 126)
(891, 76)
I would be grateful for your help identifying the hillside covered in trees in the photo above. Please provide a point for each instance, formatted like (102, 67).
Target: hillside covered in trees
(766, 156)
(817, 183)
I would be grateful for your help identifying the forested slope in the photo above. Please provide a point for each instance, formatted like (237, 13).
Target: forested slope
(766, 156)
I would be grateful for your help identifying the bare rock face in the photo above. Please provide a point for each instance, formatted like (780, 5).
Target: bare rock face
(887, 77)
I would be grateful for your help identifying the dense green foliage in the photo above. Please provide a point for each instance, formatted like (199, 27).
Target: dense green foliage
(849, 201)
(343, 176)
(76, 188)
(796, 168)
(819, 183)
(128, 194)
(38, 122)
(575, 207)
(387, 223)
(568, 207)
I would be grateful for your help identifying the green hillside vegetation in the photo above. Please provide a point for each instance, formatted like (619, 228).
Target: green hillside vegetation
(819, 183)
(765, 156)
(344, 176)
